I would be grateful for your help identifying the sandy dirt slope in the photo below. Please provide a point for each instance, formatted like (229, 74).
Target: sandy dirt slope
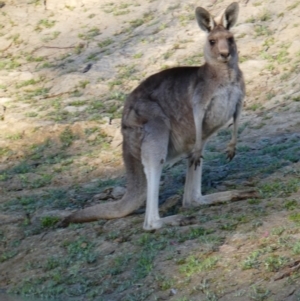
(65, 70)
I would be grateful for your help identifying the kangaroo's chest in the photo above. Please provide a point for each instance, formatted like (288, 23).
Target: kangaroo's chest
(222, 107)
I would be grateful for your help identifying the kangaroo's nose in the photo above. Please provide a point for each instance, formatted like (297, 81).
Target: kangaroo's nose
(224, 54)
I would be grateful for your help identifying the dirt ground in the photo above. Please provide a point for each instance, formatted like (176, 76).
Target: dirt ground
(65, 70)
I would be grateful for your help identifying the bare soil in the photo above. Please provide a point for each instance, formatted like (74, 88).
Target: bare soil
(65, 70)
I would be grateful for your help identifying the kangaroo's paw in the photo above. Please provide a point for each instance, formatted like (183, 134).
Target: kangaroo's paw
(230, 152)
(195, 158)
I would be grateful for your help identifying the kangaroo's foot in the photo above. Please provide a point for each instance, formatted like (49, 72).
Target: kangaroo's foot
(173, 220)
(222, 197)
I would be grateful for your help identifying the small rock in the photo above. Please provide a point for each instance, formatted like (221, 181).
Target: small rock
(118, 192)
(73, 109)
(107, 248)
(101, 196)
(173, 292)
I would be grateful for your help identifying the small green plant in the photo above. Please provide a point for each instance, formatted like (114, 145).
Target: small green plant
(274, 262)
(121, 12)
(22, 168)
(295, 217)
(7, 255)
(50, 37)
(290, 204)
(293, 6)
(270, 95)
(37, 92)
(147, 17)
(105, 43)
(31, 58)
(168, 54)
(93, 56)
(81, 250)
(269, 42)
(67, 137)
(27, 83)
(77, 103)
(9, 64)
(42, 181)
(230, 226)
(120, 264)
(90, 34)
(265, 16)
(116, 82)
(296, 248)
(69, 7)
(251, 19)
(194, 265)
(285, 76)
(184, 19)
(117, 95)
(262, 30)
(254, 106)
(258, 293)
(44, 23)
(164, 283)
(16, 136)
(278, 231)
(49, 221)
(31, 114)
(136, 23)
(83, 84)
(4, 177)
(296, 98)
(52, 263)
(126, 71)
(254, 201)
(138, 55)
(251, 261)
(279, 188)
(45, 65)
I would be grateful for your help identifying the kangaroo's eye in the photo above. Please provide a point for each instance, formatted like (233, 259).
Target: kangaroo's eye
(212, 42)
(231, 40)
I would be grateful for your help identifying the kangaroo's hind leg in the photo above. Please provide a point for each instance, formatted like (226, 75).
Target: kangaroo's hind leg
(154, 151)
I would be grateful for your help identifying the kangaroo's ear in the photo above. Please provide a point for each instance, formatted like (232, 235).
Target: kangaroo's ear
(230, 15)
(205, 20)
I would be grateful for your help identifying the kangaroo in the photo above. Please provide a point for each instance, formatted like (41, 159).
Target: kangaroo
(171, 115)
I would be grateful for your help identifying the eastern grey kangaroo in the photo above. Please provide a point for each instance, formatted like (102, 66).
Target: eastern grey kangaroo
(171, 115)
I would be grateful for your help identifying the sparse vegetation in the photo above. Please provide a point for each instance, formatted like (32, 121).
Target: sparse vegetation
(105, 43)
(60, 150)
(44, 23)
(90, 34)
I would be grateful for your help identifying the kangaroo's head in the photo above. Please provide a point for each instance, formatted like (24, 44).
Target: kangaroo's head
(220, 47)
